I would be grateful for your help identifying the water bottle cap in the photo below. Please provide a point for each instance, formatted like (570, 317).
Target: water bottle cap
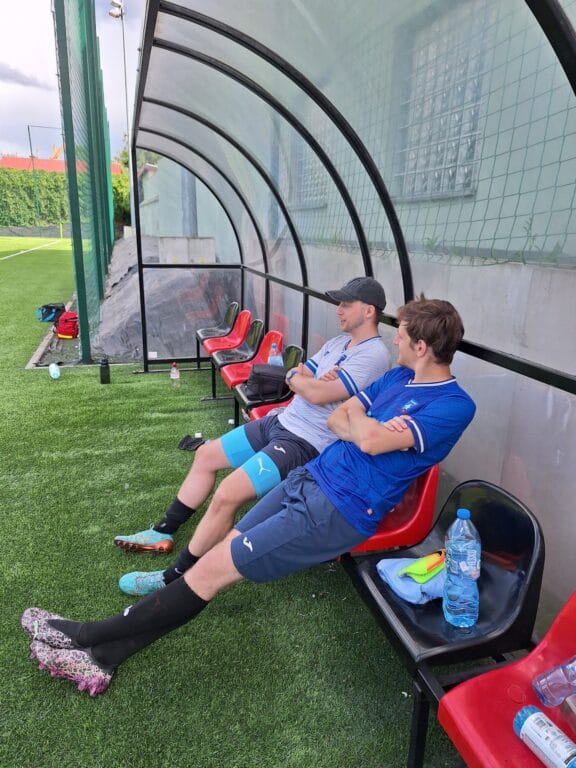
(463, 513)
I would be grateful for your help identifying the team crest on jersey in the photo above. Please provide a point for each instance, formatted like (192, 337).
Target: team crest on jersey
(409, 406)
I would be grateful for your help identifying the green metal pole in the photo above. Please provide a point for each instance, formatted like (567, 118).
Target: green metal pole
(75, 223)
(35, 180)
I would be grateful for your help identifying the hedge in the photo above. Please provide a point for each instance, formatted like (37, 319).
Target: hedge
(31, 198)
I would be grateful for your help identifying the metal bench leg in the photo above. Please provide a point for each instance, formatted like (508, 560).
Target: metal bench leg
(214, 396)
(418, 728)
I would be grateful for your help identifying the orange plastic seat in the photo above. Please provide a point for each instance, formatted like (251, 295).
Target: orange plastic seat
(236, 373)
(234, 338)
(483, 734)
(410, 520)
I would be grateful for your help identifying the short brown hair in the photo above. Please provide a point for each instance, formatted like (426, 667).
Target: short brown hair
(435, 322)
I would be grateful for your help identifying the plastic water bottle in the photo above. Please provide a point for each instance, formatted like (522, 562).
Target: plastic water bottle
(460, 599)
(104, 371)
(274, 357)
(545, 739)
(54, 370)
(553, 686)
(175, 375)
(568, 709)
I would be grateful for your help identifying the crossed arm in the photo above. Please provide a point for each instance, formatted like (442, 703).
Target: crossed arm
(329, 388)
(350, 422)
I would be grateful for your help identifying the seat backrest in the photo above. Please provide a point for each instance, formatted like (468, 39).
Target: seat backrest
(254, 335)
(292, 355)
(231, 314)
(410, 520)
(271, 337)
(241, 324)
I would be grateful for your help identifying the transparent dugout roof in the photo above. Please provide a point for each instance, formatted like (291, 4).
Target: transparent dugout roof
(462, 110)
(248, 234)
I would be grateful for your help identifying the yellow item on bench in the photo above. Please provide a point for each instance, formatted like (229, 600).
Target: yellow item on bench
(423, 569)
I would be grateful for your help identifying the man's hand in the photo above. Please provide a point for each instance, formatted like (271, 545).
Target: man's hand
(330, 375)
(397, 424)
(328, 388)
(350, 422)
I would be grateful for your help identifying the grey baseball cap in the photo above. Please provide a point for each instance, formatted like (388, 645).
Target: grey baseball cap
(365, 289)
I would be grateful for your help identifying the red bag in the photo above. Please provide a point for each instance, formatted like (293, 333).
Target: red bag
(67, 325)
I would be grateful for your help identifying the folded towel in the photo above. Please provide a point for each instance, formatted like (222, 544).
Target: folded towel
(404, 586)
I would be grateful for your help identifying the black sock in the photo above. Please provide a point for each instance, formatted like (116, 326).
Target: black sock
(161, 611)
(70, 628)
(107, 655)
(113, 653)
(185, 560)
(176, 514)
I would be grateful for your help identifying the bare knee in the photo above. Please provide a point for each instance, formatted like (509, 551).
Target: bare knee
(210, 456)
(232, 492)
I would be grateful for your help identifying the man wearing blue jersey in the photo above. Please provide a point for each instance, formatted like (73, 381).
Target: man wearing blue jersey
(390, 432)
(263, 452)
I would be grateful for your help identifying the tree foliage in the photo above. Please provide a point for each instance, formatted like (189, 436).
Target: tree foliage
(121, 195)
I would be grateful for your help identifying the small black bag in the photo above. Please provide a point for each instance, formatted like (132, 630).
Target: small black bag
(49, 313)
(266, 382)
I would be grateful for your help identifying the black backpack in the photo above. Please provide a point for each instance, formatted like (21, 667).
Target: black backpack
(266, 382)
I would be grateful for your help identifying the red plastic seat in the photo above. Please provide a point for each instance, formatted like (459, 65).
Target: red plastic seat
(410, 520)
(234, 338)
(477, 715)
(236, 373)
(261, 410)
(292, 356)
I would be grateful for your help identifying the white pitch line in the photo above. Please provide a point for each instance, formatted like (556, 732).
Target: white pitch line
(29, 250)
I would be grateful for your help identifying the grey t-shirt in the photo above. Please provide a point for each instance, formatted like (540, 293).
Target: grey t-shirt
(360, 365)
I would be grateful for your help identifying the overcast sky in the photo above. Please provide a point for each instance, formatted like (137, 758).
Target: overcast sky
(28, 74)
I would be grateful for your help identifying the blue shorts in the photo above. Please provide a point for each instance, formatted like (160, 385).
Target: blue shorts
(294, 527)
(266, 451)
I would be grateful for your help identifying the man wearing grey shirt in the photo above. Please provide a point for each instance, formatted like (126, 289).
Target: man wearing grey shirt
(263, 452)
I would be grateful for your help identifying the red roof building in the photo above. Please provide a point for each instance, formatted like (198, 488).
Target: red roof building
(39, 164)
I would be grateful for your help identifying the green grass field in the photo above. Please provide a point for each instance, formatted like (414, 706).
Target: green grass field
(291, 675)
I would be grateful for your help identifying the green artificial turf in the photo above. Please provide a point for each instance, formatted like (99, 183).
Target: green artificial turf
(293, 674)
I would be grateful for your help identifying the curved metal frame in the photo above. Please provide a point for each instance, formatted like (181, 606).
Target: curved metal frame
(241, 198)
(143, 266)
(276, 194)
(561, 35)
(256, 165)
(251, 215)
(337, 118)
(206, 184)
(559, 32)
(279, 108)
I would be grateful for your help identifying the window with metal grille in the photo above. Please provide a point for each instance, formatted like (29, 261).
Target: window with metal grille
(441, 98)
(307, 174)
